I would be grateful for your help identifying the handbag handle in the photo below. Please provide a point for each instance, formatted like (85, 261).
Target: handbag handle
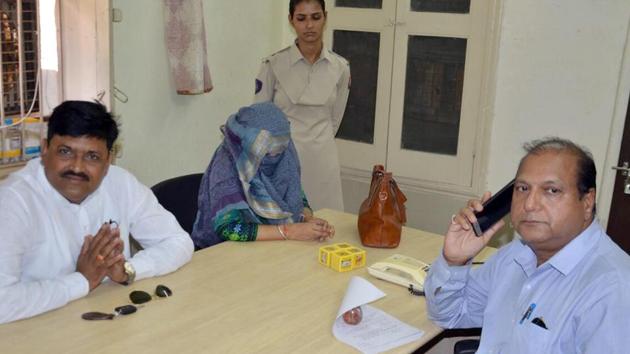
(378, 174)
(399, 200)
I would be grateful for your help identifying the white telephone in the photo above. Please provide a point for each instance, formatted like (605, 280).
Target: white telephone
(401, 270)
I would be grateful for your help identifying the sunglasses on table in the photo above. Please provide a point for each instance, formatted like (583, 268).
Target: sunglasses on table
(137, 297)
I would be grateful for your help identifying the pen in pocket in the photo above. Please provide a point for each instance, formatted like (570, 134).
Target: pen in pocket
(528, 312)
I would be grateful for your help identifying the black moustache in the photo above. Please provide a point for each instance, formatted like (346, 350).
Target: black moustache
(80, 175)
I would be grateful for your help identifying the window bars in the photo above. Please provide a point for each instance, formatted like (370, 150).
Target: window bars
(20, 122)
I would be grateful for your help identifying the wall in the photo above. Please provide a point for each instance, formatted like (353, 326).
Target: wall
(166, 135)
(559, 67)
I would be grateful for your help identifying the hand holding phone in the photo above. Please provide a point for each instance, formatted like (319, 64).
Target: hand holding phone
(494, 209)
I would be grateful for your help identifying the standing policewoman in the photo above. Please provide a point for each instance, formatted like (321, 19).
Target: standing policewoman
(310, 84)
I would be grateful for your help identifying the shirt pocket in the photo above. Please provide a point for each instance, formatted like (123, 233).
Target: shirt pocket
(535, 338)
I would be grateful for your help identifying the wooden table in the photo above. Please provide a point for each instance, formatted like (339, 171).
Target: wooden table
(263, 297)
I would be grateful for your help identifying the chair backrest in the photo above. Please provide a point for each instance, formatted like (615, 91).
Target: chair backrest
(179, 196)
(466, 346)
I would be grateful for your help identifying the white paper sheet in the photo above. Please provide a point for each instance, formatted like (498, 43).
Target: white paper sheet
(377, 331)
(359, 292)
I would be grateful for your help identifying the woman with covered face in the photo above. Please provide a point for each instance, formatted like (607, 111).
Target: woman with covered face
(310, 84)
(251, 190)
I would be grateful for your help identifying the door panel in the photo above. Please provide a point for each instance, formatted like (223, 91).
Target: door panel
(451, 6)
(618, 221)
(433, 92)
(363, 4)
(362, 50)
(435, 47)
(371, 79)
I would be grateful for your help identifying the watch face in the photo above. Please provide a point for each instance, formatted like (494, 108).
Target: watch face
(131, 272)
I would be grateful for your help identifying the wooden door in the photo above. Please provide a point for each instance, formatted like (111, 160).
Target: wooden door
(362, 32)
(436, 89)
(619, 217)
(417, 74)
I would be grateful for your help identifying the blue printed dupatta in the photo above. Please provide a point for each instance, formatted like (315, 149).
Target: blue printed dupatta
(255, 172)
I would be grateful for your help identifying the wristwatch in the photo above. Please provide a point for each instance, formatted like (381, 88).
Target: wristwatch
(130, 271)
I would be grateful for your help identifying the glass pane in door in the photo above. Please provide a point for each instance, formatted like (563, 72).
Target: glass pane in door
(434, 81)
(449, 6)
(363, 4)
(361, 49)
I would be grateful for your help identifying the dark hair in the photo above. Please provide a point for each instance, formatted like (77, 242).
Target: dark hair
(83, 118)
(294, 3)
(586, 171)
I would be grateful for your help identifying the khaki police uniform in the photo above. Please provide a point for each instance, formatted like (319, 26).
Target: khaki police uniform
(313, 96)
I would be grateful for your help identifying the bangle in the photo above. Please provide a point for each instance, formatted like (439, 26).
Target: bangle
(284, 236)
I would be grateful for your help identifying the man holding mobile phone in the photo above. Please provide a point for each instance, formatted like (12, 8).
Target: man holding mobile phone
(560, 287)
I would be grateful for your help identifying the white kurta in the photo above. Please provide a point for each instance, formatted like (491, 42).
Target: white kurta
(41, 234)
(313, 96)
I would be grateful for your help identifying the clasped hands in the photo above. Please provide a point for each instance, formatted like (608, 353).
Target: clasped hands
(102, 255)
(460, 243)
(311, 229)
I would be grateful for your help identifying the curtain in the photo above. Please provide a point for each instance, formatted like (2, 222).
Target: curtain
(186, 45)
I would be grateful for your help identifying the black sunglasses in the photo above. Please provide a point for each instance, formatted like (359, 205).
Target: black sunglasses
(140, 297)
(137, 297)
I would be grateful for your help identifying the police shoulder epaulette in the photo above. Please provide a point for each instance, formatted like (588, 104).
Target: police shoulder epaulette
(281, 51)
(269, 58)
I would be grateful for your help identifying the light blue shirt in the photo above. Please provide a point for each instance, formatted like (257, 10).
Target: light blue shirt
(581, 294)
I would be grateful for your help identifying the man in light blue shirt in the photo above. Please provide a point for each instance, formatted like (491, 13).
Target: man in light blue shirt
(562, 287)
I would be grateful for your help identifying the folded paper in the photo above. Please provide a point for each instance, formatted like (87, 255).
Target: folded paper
(378, 331)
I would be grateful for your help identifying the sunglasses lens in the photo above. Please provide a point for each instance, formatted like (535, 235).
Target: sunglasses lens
(163, 291)
(97, 316)
(125, 310)
(139, 297)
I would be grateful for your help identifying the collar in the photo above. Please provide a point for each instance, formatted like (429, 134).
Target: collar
(296, 55)
(567, 258)
(570, 255)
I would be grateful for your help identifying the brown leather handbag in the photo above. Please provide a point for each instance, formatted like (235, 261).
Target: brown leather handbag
(382, 214)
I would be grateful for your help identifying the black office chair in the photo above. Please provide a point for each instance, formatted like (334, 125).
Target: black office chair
(466, 346)
(179, 196)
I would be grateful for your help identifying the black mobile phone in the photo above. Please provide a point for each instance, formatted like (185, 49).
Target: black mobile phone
(494, 209)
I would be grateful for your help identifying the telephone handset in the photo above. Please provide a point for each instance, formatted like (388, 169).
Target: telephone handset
(401, 270)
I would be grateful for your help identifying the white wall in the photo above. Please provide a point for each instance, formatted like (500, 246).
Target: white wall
(166, 135)
(559, 67)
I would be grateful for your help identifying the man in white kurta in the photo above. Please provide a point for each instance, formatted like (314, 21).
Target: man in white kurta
(314, 97)
(43, 233)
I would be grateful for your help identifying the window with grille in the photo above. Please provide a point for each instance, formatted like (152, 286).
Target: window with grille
(19, 69)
